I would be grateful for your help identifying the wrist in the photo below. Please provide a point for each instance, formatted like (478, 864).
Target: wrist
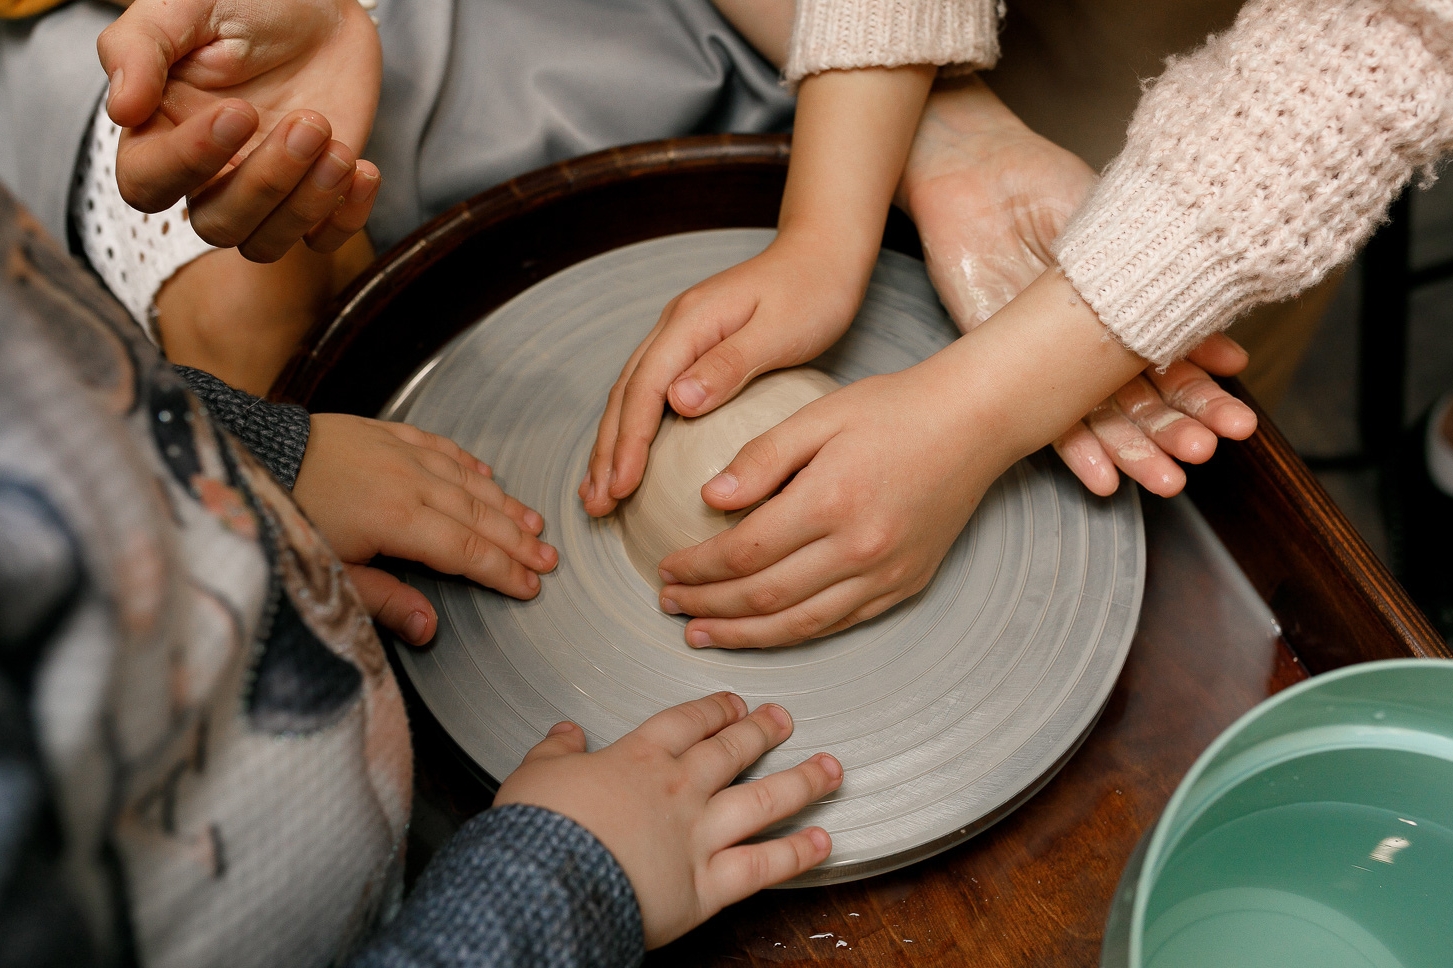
(1033, 369)
(835, 248)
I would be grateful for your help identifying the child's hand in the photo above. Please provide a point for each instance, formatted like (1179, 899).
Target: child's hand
(376, 488)
(887, 474)
(660, 800)
(779, 309)
(284, 89)
(883, 474)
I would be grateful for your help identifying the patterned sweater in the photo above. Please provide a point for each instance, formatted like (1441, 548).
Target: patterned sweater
(204, 758)
(1253, 166)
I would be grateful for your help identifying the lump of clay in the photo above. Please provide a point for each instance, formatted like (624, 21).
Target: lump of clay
(666, 513)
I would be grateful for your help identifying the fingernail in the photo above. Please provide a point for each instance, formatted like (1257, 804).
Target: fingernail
(723, 485)
(779, 715)
(830, 765)
(330, 170)
(559, 728)
(666, 576)
(533, 521)
(532, 581)
(415, 626)
(231, 127)
(305, 139)
(698, 639)
(118, 77)
(820, 839)
(690, 392)
(670, 607)
(549, 555)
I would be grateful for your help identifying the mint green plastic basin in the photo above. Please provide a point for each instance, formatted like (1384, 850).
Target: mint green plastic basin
(1316, 832)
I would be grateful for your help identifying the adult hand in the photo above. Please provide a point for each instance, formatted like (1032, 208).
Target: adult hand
(989, 197)
(378, 488)
(660, 799)
(781, 308)
(1160, 418)
(255, 109)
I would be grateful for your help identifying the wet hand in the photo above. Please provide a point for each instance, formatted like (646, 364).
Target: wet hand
(989, 197)
(1158, 419)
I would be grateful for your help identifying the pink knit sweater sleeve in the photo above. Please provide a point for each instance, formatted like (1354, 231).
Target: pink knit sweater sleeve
(847, 34)
(1261, 162)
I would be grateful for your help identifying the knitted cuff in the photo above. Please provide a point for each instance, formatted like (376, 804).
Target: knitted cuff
(1254, 167)
(275, 433)
(847, 34)
(517, 885)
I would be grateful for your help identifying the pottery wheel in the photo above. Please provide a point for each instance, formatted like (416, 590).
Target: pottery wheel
(947, 711)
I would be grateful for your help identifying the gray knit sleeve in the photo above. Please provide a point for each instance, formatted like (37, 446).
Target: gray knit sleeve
(516, 886)
(276, 433)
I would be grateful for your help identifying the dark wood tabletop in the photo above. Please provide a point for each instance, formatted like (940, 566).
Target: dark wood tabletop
(1253, 583)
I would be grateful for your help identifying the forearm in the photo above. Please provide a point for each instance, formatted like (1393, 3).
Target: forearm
(849, 146)
(516, 886)
(1031, 371)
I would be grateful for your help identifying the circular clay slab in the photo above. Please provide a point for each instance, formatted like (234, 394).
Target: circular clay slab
(947, 711)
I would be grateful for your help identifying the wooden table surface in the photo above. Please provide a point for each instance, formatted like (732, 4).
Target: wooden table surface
(1270, 585)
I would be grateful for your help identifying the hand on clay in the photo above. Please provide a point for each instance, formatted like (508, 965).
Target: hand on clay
(886, 478)
(377, 488)
(989, 197)
(882, 475)
(255, 111)
(779, 309)
(660, 799)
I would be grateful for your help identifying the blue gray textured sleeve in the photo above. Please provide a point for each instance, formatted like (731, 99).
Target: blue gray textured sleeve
(275, 433)
(516, 886)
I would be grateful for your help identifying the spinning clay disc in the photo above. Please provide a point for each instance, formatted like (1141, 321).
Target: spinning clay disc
(947, 711)
(666, 513)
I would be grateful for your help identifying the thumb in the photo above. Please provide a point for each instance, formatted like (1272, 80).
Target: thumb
(562, 739)
(139, 49)
(724, 370)
(762, 466)
(397, 606)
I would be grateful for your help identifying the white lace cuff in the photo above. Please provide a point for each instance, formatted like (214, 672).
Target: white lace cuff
(134, 253)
